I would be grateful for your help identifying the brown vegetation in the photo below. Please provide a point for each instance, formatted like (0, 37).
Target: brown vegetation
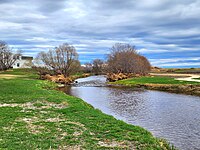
(60, 60)
(61, 78)
(9, 76)
(176, 70)
(125, 62)
(112, 77)
(98, 66)
(125, 59)
(87, 68)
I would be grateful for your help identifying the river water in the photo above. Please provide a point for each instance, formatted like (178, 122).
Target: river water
(175, 117)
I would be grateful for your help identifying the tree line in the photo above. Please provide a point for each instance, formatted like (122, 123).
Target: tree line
(60, 60)
(123, 58)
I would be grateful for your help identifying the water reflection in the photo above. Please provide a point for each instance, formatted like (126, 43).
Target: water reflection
(174, 117)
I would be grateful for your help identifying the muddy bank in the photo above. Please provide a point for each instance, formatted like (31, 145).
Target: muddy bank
(183, 89)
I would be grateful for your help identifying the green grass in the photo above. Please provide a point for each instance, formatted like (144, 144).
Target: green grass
(27, 73)
(197, 78)
(187, 70)
(152, 80)
(34, 116)
(177, 70)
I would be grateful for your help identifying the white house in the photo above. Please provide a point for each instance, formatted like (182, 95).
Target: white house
(23, 62)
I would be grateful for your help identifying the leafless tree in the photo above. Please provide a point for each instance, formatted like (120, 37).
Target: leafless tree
(87, 68)
(7, 56)
(97, 66)
(62, 59)
(125, 59)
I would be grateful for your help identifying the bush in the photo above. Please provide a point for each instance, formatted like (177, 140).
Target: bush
(125, 59)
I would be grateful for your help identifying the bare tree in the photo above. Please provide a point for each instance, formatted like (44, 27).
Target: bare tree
(87, 68)
(97, 66)
(75, 67)
(7, 56)
(62, 59)
(125, 59)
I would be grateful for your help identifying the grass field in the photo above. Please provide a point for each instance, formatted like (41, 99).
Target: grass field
(177, 70)
(197, 78)
(35, 116)
(21, 73)
(152, 80)
(187, 70)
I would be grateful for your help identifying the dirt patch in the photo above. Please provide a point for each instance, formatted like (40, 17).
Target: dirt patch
(61, 136)
(113, 144)
(75, 147)
(32, 128)
(9, 105)
(9, 76)
(38, 105)
(54, 120)
(77, 123)
(78, 128)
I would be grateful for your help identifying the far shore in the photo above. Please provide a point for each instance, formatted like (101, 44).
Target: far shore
(169, 82)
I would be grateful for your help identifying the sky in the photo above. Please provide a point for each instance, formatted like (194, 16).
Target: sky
(166, 32)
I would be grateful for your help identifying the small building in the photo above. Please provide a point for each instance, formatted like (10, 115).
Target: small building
(23, 62)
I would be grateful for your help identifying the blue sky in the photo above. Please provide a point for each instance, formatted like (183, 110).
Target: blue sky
(166, 32)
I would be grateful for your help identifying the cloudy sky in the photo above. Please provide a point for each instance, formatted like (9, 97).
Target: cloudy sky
(166, 32)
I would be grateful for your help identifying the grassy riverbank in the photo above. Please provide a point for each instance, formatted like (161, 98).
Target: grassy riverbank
(168, 84)
(35, 116)
(177, 70)
(197, 78)
(153, 80)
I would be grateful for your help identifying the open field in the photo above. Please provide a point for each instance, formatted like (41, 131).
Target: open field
(170, 83)
(9, 76)
(153, 80)
(35, 116)
(176, 70)
(197, 78)
(181, 77)
(19, 73)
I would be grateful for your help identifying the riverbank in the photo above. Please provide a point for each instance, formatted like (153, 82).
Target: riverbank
(161, 83)
(35, 116)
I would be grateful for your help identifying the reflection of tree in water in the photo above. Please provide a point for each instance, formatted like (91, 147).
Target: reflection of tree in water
(66, 89)
(94, 81)
(126, 103)
(90, 84)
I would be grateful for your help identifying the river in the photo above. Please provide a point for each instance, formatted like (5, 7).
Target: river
(174, 117)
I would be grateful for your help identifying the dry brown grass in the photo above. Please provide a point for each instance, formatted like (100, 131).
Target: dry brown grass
(32, 105)
(9, 76)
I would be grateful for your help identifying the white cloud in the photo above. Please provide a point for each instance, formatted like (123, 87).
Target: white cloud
(154, 26)
(186, 61)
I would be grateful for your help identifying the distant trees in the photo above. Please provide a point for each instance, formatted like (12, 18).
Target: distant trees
(7, 56)
(62, 59)
(125, 59)
(87, 68)
(98, 66)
